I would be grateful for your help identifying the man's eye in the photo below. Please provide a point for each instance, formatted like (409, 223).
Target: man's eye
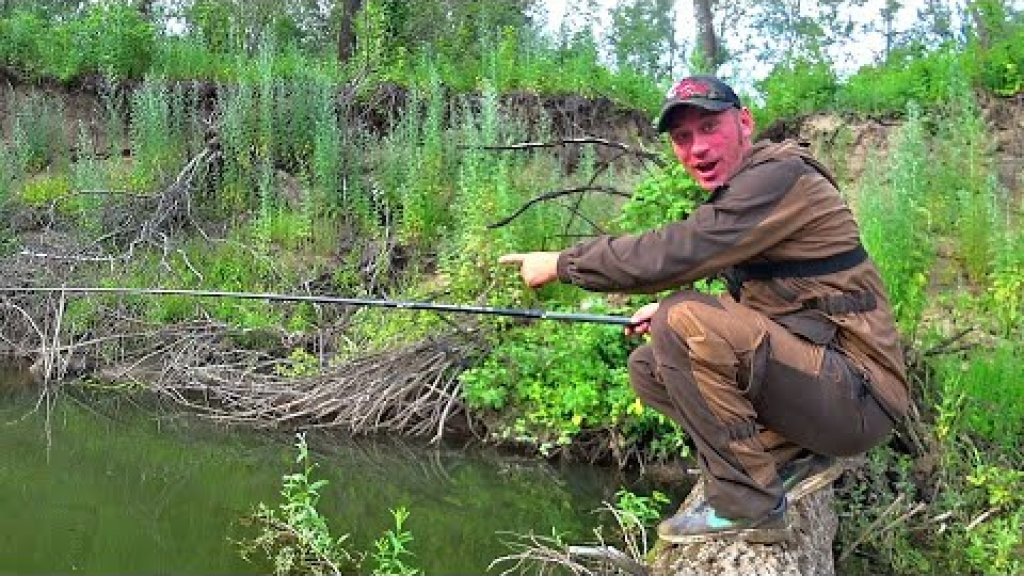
(709, 127)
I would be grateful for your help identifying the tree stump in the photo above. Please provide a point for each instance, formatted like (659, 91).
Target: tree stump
(808, 552)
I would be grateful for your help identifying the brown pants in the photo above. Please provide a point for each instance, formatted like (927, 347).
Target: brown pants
(751, 395)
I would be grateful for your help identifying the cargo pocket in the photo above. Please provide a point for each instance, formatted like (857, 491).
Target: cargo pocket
(812, 325)
(754, 369)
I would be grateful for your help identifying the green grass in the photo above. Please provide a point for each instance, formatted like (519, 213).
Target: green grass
(989, 391)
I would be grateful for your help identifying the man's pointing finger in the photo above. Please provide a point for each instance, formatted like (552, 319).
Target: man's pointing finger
(512, 259)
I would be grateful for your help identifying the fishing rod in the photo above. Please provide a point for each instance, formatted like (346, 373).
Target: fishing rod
(335, 300)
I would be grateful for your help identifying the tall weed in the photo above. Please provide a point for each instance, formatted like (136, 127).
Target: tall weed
(326, 162)
(418, 158)
(9, 173)
(37, 133)
(482, 190)
(265, 122)
(967, 200)
(1006, 288)
(90, 177)
(896, 223)
(155, 142)
(239, 142)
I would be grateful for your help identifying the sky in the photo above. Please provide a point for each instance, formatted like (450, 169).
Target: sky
(863, 50)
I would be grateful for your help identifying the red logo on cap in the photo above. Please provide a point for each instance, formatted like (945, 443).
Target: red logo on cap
(689, 88)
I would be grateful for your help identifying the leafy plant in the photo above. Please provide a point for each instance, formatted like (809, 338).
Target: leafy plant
(664, 196)
(549, 386)
(391, 550)
(996, 547)
(45, 190)
(299, 363)
(640, 511)
(558, 382)
(1006, 287)
(294, 535)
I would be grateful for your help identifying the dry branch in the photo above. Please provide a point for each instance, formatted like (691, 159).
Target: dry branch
(632, 150)
(556, 194)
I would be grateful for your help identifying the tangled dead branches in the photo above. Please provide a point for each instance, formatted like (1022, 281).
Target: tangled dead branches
(536, 554)
(250, 376)
(413, 390)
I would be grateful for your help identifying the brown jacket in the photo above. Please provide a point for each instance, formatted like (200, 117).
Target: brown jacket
(781, 205)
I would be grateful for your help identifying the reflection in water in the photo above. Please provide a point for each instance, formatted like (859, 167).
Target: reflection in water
(126, 489)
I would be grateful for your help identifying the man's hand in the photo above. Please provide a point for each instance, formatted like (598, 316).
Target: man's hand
(536, 268)
(641, 320)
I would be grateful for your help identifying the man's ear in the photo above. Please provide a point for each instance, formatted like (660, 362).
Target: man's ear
(746, 123)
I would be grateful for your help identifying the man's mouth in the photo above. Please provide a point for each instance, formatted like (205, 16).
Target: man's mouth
(705, 168)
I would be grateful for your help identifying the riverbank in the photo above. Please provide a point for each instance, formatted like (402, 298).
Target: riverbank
(232, 207)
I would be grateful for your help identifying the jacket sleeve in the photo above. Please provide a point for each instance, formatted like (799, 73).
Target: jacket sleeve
(739, 222)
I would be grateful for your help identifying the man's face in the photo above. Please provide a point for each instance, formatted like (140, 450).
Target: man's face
(711, 145)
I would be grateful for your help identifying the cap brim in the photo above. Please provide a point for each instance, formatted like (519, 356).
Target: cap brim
(703, 103)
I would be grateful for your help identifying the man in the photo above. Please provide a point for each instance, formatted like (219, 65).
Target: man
(801, 362)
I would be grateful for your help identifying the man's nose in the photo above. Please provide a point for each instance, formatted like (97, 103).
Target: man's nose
(699, 147)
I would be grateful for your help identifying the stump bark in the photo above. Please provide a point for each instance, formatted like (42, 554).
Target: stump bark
(808, 552)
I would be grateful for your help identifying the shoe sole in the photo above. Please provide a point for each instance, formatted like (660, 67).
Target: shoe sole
(751, 535)
(815, 482)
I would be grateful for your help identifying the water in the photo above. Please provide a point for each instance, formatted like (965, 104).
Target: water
(121, 488)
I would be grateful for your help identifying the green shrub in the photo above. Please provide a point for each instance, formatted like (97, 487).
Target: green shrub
(996, 546)
(550, 385)
(996, 61)
(109, 38)
(665, 196)
(795, 88)
(910, 75)
(112, 39)
(23, 37)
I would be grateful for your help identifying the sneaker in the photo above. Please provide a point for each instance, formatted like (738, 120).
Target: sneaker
(808, 474)
(701, 524)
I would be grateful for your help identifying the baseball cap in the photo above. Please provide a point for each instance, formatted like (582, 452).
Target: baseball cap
(705, 92)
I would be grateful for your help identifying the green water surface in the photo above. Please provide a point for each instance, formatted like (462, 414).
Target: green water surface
(117, 488)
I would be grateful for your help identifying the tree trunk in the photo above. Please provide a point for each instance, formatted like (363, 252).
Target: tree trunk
(808, 552)
(708, 42)
(982, 20)
(145, 8)
(347, 29)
